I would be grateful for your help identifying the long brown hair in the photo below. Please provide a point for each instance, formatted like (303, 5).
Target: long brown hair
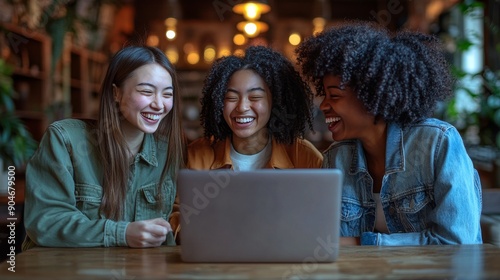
(112, 145)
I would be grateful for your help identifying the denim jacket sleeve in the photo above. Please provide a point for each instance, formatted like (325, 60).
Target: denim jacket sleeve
(457, 198)
(51, 216)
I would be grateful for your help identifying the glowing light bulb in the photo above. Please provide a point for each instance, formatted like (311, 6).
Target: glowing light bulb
(170, 34)
(193, 58)
(252, 11)
(239, 39)
(294, 39)
(209, 53)
(251, 28)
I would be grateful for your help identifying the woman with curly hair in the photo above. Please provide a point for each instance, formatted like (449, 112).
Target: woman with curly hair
(407, 177)
(255, 110)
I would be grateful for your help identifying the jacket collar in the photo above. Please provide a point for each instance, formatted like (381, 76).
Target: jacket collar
(279, 156)
(222, 158)
(394, 160)
(148, 150)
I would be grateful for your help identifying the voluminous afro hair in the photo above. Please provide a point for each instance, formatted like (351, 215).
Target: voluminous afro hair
(291, 96)
(399, 78)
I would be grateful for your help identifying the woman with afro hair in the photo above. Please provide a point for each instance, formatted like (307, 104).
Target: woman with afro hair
(407, 177)
(255, 110)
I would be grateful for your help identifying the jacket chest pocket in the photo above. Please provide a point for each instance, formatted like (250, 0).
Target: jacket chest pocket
(351, 219)
(150, 205)
(413, 210)
(88, 199)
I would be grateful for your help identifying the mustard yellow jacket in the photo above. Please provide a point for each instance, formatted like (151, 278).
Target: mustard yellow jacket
(300, 154)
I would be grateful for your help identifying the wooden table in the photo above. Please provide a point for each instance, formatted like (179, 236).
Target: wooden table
(354, 262)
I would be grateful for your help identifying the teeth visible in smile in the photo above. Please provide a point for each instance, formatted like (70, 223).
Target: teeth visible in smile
(332, 119)
(152, 116)
(244, 120)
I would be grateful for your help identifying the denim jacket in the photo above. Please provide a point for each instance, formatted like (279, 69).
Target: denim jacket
(431, 193)
(64, 190)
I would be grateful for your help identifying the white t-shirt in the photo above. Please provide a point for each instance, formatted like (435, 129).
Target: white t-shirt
(243, 162)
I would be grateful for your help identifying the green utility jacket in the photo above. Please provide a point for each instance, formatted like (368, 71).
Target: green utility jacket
(64, 190)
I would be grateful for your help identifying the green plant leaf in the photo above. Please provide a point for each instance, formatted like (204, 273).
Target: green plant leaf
(464, 45)
(16, 143)
(457, 72)
(5, 69)
(6, 103)
(467, 8)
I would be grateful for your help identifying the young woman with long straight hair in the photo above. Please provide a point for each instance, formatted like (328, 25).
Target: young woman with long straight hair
(111, 182)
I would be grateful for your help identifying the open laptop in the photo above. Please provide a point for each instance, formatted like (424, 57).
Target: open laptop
(267, 215)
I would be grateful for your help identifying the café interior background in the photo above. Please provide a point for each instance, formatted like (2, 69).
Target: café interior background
(59, 50)
(193, 33)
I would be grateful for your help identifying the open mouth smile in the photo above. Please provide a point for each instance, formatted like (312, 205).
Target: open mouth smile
(330, 120)
(153, 117)
(244, 120)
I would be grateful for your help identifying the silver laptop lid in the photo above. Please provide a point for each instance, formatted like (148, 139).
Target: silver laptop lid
(288, 215)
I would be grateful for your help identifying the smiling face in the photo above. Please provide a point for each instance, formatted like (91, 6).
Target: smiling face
(345, 114)
(145, 98)
(247, 106)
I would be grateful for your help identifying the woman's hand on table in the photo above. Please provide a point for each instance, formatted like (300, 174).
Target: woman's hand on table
(148, 233)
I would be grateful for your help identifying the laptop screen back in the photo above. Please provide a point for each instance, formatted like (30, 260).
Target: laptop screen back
(288, 215)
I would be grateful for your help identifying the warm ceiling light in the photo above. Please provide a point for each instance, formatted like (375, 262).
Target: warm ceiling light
(170, 23)
(252, 10)
(153, 40)
(252, 28)
(239, 52)
(239, 39)
(193, 58)
(224, 52)
(209, 53)
(170, 34)
(319, 25)
(172, 54)
(294, 39)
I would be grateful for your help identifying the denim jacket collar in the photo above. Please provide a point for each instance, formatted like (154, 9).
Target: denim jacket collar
(148, 150)
(395, 159)
(394, 155)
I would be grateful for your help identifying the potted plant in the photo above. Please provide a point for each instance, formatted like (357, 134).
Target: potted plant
(16, 143)
(480, 127)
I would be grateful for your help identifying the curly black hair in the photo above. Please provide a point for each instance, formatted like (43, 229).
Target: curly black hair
(399, 77)
(291, 96)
